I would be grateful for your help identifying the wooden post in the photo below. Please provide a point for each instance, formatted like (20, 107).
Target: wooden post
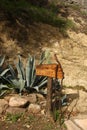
(49, 97)
(51, 71)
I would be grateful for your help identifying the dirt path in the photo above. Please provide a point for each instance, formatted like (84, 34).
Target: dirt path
(28, 122)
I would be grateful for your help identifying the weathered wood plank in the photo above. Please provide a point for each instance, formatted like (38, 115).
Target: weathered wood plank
(50, 70)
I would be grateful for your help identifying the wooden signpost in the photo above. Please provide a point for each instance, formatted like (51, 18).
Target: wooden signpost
(51, 71)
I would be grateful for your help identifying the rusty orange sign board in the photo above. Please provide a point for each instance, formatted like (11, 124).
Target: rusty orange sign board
(50, 70)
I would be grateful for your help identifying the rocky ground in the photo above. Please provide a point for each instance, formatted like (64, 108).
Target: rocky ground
(26, 112)
(29, 111)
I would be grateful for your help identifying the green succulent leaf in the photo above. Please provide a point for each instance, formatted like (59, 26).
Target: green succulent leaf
(42, 58)
(2, 86)
(20, 69)
(42, 83)
(47, 56)
(20, 84)
(2, 58)
(2, 93)
(63, 100)
(33, 68)
(4, 72)
(36, 88)
(28, 71)
(13, 74)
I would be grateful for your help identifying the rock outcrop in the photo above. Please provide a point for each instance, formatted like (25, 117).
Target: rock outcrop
(73, 57)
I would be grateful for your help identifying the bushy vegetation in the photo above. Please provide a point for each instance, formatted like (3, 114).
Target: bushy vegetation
(48, 15)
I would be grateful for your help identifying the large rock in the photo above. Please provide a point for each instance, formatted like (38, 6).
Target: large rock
(31, 98)
(82, 101)
(40, 97)
(78, 100)
(18, 101)
(72, 55)
(71, 125)
(7, 97)
(34, 108)
(3, 105)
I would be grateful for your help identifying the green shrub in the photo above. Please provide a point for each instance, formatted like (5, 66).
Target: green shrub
(35, 13)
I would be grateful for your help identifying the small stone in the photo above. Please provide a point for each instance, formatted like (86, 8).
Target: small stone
(18, 101)
(34, 108)
(43, 112)
(28, 126)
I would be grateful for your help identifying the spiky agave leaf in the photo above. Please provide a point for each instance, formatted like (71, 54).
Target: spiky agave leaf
(4, 72)
(6, 79)
(38, 87)
(63, 100)
(15, 82)
(19, 84)
(33, 67)
(3, 89)
(20, 68)
(2, 86)
(47, 56)
(33, 76)
(22, 85)
(2, 58)
(40, 84)
(43, 82)
(2, 93)
(28, 71)
(42, 57)
(13, 74)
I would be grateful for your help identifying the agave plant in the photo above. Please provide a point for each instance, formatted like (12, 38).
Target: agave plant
(26, 78)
